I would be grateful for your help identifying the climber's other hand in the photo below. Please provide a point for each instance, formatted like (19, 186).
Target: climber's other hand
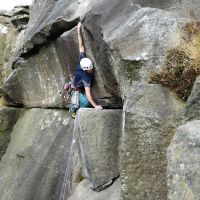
(98, 107)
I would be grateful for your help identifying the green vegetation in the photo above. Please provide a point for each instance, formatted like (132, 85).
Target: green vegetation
(182, 64)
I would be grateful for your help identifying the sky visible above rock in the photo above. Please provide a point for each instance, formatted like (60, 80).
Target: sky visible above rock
(9, 4)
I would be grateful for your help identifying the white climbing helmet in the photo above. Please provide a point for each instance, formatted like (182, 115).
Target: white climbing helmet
(86, 64)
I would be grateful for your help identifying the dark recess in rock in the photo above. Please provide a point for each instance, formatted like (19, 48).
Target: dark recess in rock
(8, 118)
(100, 52)
(113, 102)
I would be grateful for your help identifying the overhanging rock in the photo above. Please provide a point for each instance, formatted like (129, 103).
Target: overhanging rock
(45, 13)
(37, 81)
(192, 109)
(129, 45)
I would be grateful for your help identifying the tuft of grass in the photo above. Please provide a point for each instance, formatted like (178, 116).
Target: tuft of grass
(182, 64)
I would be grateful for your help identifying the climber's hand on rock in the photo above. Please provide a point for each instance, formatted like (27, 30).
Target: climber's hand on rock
(98, 107)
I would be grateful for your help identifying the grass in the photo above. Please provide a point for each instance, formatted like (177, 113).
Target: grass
(182, 64)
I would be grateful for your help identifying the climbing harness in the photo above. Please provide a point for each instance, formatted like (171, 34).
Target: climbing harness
(68, 88)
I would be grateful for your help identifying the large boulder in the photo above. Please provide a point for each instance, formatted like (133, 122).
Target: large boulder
(97, 134)
(147, 132)
(37, 82)
(128, 45)
(192, 109)
(35, 161)
(8, 118)
(84, 192)
(68, 53)
(184, 163)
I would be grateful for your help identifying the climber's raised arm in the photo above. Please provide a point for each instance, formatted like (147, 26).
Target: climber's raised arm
(82, 97)
(80, 38)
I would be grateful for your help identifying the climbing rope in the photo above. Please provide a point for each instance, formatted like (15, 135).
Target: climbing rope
(67, 172)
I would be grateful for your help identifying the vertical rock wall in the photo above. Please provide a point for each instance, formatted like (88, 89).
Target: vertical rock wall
(127, 40)
(98, 134)
(147, 132)
(183, 163)
(34, 164)
(8, 35)
(8, 118)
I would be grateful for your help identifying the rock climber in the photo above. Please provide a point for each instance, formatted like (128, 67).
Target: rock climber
(82, 96)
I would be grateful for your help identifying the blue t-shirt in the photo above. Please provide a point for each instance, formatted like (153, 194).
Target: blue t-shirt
(82, 79)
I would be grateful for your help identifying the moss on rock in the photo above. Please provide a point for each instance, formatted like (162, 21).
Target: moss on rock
(182, 64)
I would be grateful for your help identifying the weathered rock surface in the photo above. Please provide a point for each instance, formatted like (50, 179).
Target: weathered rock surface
(8, 35)
(83, 192)
(97, 134)
(148, 33)
(134, 43)
(192, 109)
(8, 118)
(37, 82)
(126, 40)
(39, 79)
(184, 163)
(46, 15)
(147, 133)
(34, 164)
(20, 17)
